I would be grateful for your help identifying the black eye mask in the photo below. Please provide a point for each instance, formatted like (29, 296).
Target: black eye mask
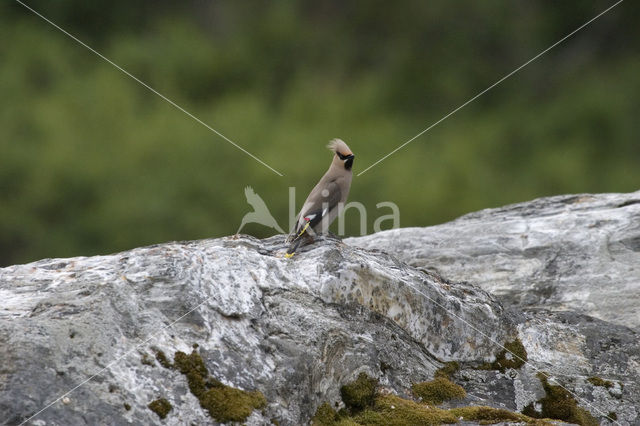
(349, 163)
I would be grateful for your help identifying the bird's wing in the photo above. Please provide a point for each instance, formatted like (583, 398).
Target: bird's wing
(317, 209)
(255, 200)
(248, 192)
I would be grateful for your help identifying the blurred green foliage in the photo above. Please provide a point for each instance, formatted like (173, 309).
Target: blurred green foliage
(92, 162)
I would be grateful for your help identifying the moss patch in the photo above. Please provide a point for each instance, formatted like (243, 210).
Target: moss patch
(597, 381)
(489, 415)
(513, 356)
(438, 391)
(227, 404)
(559, 404)
(359, 394)
(147, 360)
(392, 410)
(325, 416)
(396, 411)
(161, 407)
(224, 403)
(162, 359)
(193, 367)
(447, 370)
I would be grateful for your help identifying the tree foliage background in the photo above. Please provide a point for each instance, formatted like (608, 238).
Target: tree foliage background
(92, 162)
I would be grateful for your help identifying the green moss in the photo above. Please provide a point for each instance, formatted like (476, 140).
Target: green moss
(612, 416)
(193, 367)
(559, 404)
(146, 359)
(190, 363)
(597, 381)
(513, 356)
(488, 415)
(437, 391)
(359, 394)
(391, 410)
(224, 403)
(366, 407)
(227, 404)
(447, 370)
(161, 407)
(162, 359)
(325, 416)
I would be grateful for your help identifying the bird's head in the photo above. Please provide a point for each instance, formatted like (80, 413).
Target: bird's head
(343, 155)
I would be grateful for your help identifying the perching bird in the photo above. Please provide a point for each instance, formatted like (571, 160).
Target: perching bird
(326, 199)
(260, 214)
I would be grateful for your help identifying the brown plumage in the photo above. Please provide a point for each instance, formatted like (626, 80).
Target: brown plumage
(326, 199)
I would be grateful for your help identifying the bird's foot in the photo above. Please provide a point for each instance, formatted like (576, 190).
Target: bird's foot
(292, 249)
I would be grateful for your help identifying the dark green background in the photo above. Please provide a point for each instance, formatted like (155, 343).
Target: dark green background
(92, 162)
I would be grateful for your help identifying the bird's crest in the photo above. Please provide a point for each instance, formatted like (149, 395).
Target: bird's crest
(338, 145)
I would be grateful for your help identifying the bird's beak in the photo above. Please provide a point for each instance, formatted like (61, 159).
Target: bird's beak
(350, 157)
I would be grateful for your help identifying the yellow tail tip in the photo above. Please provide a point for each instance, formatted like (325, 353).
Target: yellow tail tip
(289, 255)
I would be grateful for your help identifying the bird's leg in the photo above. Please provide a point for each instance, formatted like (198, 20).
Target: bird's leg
(292, 249)
(298, 240)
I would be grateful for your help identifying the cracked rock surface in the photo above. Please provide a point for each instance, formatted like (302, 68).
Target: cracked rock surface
(296, 330)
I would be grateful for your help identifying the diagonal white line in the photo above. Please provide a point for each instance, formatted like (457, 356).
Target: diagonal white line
(152, 89)
(113, 362)
(492, 86)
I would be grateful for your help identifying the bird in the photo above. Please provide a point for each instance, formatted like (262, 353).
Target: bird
(326, 199)
(260, 213)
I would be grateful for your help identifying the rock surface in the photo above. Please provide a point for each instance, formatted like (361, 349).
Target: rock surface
(569, 252)
(78, 336)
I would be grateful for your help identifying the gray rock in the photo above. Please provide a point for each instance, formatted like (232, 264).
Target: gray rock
(569, 252)
(74, 334)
